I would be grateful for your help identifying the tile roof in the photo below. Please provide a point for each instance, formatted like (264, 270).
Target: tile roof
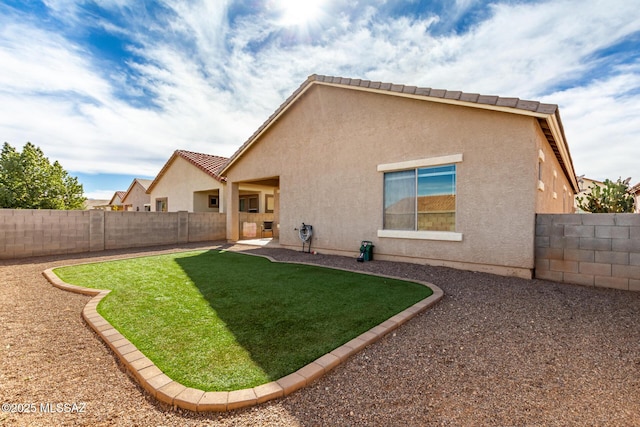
(443, 203)
(208, 163)
(119, 194)
(548, 115)
(425, 92)
(145, 183)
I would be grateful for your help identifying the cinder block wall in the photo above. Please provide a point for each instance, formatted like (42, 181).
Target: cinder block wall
(25, 233)
(589, 249)
(206, 226)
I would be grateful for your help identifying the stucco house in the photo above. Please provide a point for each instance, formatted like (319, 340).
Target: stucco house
(429, 176)
(96, 204)
(585, 185)
(115, 204)
(136, 198)
(189, 182)
(635, 190)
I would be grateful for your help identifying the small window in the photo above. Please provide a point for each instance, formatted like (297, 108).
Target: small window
(539, 170)
(162, 205)
(249, 203)
(213, 201)
(269, 203)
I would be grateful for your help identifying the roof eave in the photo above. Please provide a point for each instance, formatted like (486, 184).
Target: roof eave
(564, 156)
(162, 172)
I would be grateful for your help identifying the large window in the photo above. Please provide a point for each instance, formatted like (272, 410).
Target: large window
(420, 199)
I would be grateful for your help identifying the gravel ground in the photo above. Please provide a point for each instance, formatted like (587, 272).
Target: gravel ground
(495, 351)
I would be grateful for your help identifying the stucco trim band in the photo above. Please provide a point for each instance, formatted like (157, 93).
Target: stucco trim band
(429, 161)
(421, 235)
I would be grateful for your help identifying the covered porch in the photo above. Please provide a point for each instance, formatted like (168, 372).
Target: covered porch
(253, 213)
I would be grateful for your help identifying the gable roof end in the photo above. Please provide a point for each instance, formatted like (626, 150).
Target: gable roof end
(119, 194)
(144, 183)
(548, 115)
(209, 164)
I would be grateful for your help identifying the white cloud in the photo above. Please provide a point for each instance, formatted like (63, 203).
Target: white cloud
(602, 126)
(214, 81)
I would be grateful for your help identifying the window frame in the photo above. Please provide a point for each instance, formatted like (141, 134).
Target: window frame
(269, 203)
(244, 201)
(164, 204)
(453, 236)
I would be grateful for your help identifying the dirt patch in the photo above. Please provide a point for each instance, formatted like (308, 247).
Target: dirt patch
(494, 351)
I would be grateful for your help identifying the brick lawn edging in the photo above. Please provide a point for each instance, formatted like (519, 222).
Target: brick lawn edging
(166, 390)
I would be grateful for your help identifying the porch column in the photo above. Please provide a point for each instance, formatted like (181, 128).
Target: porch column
(276, 213)
(233, 206)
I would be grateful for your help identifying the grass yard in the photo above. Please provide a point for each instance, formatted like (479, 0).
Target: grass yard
(222, 321)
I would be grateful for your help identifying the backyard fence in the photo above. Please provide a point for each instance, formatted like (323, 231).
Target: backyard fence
(586, 249)
(589, 249)
(25, 233)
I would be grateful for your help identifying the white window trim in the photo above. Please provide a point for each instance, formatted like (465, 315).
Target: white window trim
(420, 163)
(450, 236)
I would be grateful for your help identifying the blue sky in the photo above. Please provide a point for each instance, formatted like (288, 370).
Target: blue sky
(111, 88)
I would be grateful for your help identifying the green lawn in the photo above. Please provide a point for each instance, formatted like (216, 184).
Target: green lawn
(222, 321)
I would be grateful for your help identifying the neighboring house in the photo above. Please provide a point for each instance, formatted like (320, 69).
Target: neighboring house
(115, 204)
(585, 185)
(136, 198)
(429, 176)
(635, 190)
(188, 182)
(99, 204)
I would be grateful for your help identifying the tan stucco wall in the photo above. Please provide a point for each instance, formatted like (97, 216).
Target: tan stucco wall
(326, 150)
(136, 198)
(552, 197)
(179, 183)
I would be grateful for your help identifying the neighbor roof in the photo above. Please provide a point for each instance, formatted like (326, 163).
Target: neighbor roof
(548, 115)
(119, 194)
(144, 183)
(208, 163)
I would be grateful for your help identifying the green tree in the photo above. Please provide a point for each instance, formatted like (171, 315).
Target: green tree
(612, 197)
(29, 181)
